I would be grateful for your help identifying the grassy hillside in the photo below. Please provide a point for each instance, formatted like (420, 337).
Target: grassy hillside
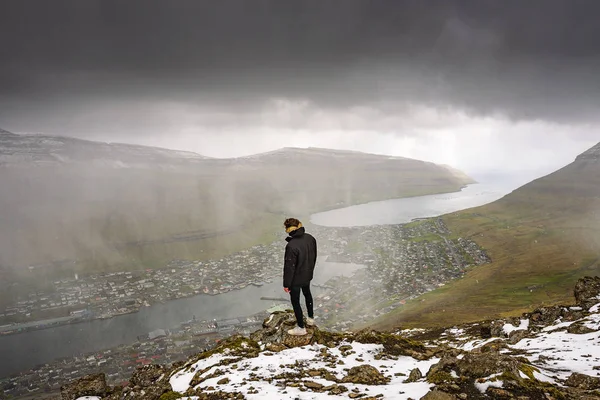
(541, 238)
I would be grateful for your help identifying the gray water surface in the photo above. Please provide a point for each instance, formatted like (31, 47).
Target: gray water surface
(25, 350)
(399, 211)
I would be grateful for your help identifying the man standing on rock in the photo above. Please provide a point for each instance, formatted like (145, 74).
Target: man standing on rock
(298, 268)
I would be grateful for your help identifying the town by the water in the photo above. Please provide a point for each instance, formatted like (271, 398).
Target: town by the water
(400, 262)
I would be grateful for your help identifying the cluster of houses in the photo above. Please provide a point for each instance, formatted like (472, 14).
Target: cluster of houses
(109, 294)
(401, 263)
(162, 346)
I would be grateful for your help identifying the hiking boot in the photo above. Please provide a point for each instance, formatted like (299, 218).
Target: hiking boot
(310, 321)
(297, 331)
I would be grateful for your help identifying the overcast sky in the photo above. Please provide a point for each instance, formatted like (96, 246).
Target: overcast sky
(482, 85)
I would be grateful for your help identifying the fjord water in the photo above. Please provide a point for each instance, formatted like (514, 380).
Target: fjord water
(28, 349)
(400, 211)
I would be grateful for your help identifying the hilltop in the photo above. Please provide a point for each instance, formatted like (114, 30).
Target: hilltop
(77, 205)
(46, 151)
(544, 354)
(541, 238)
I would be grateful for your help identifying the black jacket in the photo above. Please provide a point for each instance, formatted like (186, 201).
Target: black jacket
(300, 258)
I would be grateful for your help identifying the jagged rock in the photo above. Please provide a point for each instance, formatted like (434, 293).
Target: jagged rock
(545, 315)
(516, 336)
(438, 395)
(145, 393)
(485, 332)
(476, 365)
(147, 375)
(275, 347)
(297, 341)
(274, 331)
(313, 385)
(587, 291)
(497, 328)
(582, 381)
(497, 393)
(90, 385)
(366, 375)
(493, 346)
(219, 395)
(237, 346)
(336, 389)
(441, 372)
(579, 329)
(414, 376)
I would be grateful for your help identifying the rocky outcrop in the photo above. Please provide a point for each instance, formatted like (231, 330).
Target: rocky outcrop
(587, 291)
(274, 332)
(366, 375)
(582, 381)
(91, 385)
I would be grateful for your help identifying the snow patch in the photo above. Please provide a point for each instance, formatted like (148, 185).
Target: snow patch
(307, 357)
(563, 353)
(508, 328)
(483, 386)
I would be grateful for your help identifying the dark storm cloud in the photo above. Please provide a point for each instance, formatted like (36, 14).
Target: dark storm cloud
(535, 59)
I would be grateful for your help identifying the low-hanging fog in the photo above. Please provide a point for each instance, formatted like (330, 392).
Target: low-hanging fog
(504, 91)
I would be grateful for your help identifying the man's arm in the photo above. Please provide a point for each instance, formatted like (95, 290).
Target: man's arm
(289, 266)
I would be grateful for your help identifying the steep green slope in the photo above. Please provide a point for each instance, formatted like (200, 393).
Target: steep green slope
(541, 238)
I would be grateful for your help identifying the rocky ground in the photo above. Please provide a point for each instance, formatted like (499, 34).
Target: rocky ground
(550, 353)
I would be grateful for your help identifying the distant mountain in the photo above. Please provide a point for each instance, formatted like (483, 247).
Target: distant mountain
(7, 133)
(44, 150)
(541, 237)
(74, 204)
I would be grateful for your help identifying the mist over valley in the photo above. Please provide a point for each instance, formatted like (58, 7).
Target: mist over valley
(165, 166)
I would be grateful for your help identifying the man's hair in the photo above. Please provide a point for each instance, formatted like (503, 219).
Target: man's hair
(291, 222)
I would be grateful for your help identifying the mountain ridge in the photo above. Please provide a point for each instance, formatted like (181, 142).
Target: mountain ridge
(38, 140)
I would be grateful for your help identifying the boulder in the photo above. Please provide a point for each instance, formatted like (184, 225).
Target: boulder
(414, 376)
(587, 291)
(89, 385)
(579, 329)
(546, 315)
(497, 328)
(518, 335)
(481, 365)
(438, 395)
(582, 381)
(148, 375)
(485, 331)
(274, 332)
(365, 374)
(297, 341)
(442, 371)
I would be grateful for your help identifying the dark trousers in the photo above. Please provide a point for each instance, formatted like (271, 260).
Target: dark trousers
(295, 297)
